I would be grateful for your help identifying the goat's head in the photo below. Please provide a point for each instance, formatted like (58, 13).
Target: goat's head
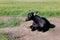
(31, 15)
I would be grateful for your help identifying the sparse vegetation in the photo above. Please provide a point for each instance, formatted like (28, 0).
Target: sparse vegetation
(13, 8)
(4, 36)
(10, 23)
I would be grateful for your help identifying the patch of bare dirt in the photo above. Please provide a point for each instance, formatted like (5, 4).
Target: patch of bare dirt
(24, 33)
(4, 18)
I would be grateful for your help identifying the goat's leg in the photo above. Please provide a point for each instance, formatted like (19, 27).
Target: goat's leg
(34, 24)
(39, 28)
(33, 27)
(45, 29)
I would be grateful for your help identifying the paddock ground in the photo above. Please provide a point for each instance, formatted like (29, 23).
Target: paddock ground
(24, 33)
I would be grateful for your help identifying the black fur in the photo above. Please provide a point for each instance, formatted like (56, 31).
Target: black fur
(39, 23)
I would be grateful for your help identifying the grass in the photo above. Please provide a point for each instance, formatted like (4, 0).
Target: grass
(46, 8)
(20, 7)
(12, 22)
(4, 36)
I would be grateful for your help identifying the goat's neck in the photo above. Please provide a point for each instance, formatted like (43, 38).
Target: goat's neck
(34, 19)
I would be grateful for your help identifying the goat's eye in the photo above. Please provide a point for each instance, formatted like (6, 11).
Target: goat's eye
(30, 15)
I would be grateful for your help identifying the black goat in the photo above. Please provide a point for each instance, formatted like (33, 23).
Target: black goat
(39, 23)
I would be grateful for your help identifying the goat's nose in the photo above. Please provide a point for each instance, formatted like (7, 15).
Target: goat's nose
(26, 20)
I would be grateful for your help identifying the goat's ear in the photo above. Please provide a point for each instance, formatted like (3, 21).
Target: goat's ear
(29, 11)
(36, 13)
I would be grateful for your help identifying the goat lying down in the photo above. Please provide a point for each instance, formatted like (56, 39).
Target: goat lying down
(39, 23)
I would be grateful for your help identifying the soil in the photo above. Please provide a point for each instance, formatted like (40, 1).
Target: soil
(23, 32)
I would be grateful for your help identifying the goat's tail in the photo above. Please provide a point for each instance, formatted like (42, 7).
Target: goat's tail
(52, 26)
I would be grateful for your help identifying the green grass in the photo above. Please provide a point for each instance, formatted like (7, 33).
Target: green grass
(4, 36)
(11, 23)
(46, 8)
(20, 8)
